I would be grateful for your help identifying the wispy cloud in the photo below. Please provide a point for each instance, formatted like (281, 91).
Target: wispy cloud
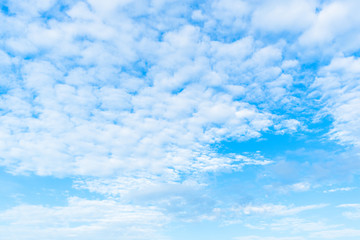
(278, 210)
(92, 219)
(339, 189)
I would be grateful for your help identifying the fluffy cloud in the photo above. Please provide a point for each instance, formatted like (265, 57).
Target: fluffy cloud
(97, 106)
(132, 99)
(338, 88)
(335, 27)
(277, 16)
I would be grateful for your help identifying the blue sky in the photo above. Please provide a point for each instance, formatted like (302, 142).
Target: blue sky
(172, 120)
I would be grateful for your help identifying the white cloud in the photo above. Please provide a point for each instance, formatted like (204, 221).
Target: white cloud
(341, 234)
(355, 210)
(82, 219)
(268, 238)
(228, 16)
(288, 188)
(335, 28)
(31, 8)
(290, 125)
(298, 225)
(301, 227)
(294, 226)
(277, 210)
(143, 185)
(351, 205)
(130, 96)
(95, 119)
(339, 189)
(300, 187)
(278, 16)
(289, 64)
(337, 86)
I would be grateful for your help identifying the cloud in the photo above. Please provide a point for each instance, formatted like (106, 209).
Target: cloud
(225, 17)
(187, 197)
(98, 105)
(268, 238)
(291, 125)
(355, 210)
(334, 27)
(301, 228)
(337, 87)
(277, 210)
(132, 98)
(298, 225)
(298, 187)
(331, 234)
(82, 219)
(339, 189)
(277, 16)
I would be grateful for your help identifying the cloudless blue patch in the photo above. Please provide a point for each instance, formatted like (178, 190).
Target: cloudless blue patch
(30, 57)
(5, 9)
(236, 187)
(356, 54)
(177, 91)
(3, 90)
(35, 115)
(311, 66)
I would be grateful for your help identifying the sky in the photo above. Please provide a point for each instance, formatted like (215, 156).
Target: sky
(179, 119)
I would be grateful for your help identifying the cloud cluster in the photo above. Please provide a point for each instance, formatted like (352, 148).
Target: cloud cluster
(133, 98)
(291, 227)
(338, 87)
(82, 218)
(128, 97)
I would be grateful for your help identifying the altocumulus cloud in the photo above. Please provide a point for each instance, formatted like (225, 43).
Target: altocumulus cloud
(133, 100)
